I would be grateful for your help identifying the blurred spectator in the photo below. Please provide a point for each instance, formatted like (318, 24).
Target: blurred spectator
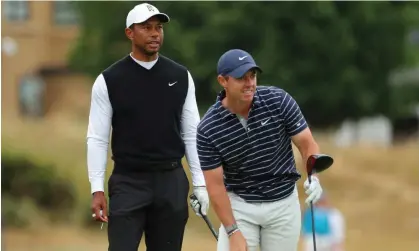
(329, 225)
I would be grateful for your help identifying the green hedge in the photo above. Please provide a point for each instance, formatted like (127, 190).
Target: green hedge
(25, 182)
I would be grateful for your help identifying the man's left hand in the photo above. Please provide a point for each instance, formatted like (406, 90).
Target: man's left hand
(313, 190)
(203, 199)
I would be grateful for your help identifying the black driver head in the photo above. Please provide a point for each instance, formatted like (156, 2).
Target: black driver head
(317, 163)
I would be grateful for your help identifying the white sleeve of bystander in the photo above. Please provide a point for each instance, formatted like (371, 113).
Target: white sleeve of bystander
(100, 118)
(338, 226)
(189, 123)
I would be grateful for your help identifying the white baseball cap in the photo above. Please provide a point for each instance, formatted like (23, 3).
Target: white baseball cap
(142, 12)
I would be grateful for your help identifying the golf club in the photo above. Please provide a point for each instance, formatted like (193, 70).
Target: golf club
(315, 164)
(193, 197)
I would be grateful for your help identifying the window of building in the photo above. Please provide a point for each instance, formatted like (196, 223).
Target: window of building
(65, 13)
(15, 10)
(32, 96)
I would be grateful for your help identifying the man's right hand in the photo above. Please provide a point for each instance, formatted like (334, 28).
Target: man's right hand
(99, 203)
(238, 242)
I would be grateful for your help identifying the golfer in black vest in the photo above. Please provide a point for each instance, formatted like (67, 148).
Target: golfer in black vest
(149, 102)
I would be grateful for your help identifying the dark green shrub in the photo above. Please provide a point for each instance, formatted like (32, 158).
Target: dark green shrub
(24, 179)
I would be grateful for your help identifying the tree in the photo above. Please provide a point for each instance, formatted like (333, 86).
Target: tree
(333, 57)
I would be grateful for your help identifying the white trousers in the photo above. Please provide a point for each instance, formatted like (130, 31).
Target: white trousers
(272, 226)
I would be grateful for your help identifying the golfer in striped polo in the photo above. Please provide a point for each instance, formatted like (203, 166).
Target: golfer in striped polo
(244, 146)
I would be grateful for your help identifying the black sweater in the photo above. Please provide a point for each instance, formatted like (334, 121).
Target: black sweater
(147, 108)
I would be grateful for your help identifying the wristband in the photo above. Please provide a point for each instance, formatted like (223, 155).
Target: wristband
(232, 232)
(231, 229)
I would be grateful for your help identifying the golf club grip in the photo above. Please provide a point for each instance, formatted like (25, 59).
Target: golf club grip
(193, 197)
(210, 226)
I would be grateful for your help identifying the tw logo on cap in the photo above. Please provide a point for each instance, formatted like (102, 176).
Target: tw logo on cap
(150, 8)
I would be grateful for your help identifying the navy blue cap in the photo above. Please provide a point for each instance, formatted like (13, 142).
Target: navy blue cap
(236, 63)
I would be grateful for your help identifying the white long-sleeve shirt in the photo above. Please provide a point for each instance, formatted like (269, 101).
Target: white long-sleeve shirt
(100, 120)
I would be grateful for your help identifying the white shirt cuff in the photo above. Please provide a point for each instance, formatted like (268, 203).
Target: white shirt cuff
(97, 186)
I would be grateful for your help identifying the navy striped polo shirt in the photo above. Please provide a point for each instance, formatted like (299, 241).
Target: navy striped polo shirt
(257, 157)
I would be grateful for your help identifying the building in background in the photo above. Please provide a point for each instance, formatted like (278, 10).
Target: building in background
(36, 39)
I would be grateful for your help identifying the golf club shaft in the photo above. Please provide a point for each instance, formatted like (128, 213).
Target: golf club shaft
(193, 197)
(210, 226)
(312, 226)
(312, 219)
